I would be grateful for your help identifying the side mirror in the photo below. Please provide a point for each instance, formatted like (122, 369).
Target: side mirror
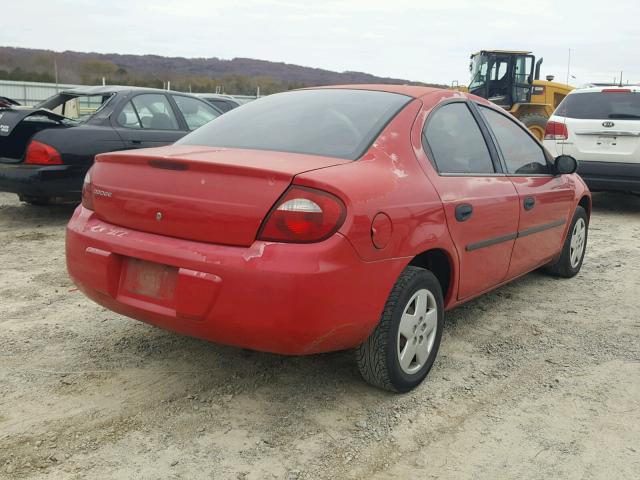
(565, 164)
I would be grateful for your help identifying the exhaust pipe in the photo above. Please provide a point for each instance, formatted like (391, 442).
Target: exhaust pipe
(537, 72)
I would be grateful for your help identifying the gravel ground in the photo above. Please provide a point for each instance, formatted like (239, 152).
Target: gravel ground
(539, 379)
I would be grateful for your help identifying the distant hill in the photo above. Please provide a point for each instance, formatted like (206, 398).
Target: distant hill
(236, 76)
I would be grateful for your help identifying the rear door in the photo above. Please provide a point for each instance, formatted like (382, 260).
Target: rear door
(148, 120)
(480, 202)
(545, 199)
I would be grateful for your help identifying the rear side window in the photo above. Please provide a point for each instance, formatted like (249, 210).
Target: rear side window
(77, 107)
(331, 122)
(195, 112)
(155, 112)
(522, 154)
(601, 105)
(456, 142)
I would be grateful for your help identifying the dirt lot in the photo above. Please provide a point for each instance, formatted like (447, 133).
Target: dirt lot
(540, 379)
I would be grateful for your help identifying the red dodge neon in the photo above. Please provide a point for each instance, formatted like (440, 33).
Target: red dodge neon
(327, 219)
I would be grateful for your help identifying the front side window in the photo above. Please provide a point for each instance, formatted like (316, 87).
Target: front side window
(456, 142)
(195, 112)
(128, 117)
(330, 122)
(154, 112)
(522, 154)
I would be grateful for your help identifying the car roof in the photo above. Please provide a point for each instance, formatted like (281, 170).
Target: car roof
(408, 90)
(215, 96)
(506, 52)
(105, 89)
(600, 88)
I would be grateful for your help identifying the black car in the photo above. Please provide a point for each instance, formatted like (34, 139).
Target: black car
(8, 102)
(46, 151)
(223, 103)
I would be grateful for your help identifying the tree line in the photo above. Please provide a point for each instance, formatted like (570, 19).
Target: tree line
(92, 72)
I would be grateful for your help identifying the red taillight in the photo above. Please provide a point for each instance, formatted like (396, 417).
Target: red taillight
(87, 191)
(616, 90)
(556, 131)
(39, 153)
(303, 215)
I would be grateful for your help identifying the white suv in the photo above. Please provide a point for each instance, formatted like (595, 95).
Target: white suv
(600, 127)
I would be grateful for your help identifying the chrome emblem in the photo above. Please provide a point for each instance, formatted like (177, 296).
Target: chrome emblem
(158, 216)
(608, 124)
(102, 193)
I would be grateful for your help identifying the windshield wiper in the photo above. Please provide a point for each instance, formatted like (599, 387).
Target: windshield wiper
(623, 115)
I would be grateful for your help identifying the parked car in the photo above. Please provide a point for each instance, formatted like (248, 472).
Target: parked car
(224, 103)
(328, 219)
(600, 127)
(8, 102)
(46, 151)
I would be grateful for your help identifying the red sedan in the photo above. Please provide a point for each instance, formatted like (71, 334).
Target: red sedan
(327, 219)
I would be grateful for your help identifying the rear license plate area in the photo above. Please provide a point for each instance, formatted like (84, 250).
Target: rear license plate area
(607, 141)
(149, 281)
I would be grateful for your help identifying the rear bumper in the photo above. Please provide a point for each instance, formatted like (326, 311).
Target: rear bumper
(63, 181)
(610, 175)
(280, 298)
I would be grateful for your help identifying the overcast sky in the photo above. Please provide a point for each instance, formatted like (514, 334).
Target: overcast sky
(419, 40)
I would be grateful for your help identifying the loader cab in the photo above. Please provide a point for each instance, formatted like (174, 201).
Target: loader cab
(503, 77)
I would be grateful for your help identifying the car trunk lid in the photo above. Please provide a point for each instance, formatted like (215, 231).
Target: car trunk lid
(19, 124)
(213, 195)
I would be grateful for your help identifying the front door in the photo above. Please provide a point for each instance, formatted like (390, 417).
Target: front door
(481, 204)
(545, 199)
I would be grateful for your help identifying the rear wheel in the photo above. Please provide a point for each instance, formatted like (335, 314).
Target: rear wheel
(401, 350)
(570, 261)
(536, 124)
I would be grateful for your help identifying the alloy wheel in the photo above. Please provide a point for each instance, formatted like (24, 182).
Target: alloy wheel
(417, 331)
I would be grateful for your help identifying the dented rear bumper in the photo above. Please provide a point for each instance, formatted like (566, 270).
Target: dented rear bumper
(281, 298)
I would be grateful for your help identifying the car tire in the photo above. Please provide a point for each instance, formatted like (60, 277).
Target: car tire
(535, 123)
(36, 201)
(411, 325)
(573, 250)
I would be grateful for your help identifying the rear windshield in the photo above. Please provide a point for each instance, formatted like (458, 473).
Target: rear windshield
(76, 107)
(599, 106)
(332, 122)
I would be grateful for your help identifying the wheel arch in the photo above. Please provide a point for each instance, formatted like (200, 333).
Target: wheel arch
(439, 262)
(585, 202)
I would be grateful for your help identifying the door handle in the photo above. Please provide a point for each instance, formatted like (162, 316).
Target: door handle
(529, 203)
(463, 212)
(136, 142)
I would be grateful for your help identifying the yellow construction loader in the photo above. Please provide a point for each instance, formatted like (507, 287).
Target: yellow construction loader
(511, 79)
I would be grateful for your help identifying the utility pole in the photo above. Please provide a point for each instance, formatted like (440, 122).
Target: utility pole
(55, 73)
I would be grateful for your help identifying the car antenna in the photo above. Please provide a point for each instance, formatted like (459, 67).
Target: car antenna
(564, 118)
